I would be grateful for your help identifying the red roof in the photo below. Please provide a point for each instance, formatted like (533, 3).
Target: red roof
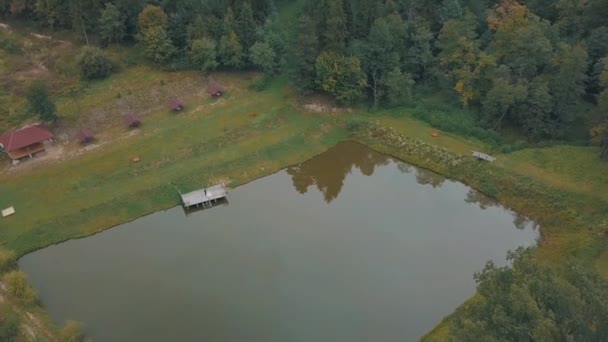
(175, 104)
(215, 88)
(85, 134)
(25, 136)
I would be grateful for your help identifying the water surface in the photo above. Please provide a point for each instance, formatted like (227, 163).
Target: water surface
(349, 246)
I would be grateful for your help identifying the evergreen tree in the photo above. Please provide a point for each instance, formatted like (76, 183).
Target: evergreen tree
(451, 9)
(245, 26)
(304, 51)
(111, 25)
(39, 102)
(334, 29)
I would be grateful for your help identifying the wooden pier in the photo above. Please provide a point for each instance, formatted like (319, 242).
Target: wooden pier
(204, 198)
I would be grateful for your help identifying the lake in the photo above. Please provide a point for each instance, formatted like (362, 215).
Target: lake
(349, 246)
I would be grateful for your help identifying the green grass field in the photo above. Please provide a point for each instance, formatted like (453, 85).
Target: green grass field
(249, 134)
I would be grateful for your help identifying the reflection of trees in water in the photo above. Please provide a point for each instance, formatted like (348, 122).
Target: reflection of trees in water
(328, 170)
(404, 168)
(521, 222)
(424, 177)
(483, 201)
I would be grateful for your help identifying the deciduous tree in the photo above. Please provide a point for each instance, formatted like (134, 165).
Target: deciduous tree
(203, 53)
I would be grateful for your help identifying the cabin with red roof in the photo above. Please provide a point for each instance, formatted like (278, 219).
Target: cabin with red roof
(26, 141)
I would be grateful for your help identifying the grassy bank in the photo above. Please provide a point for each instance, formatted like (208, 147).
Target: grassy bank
(248, 134)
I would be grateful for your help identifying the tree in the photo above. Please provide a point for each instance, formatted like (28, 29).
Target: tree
(340, 76)
(501, 101)
(72, 332)
(203, 53)
(151, 17)
(39, 102)
(419, 54)
(334, 31)
(600, 131)
(520, 38)
(450, 9)
(304, 51)
(263, 57)
(157, 45)
(94, 63)
(398, 86)
(379, 53)
(531, 301)
(246, 26)
(535, 114)
(460, 59)
(231, 51)
(112, 24)
(568, 80)
(152, 24)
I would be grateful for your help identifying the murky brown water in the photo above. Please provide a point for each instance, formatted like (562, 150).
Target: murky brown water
(349, 246)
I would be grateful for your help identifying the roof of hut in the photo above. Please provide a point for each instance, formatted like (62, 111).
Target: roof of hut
(131, 119)
(175, 104)
(85, 134)
(215, 88)
(25, 136)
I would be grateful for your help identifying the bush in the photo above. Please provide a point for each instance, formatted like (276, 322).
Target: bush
(261, 83)
(17, 286)
(7, 260)
(94, 64)
(9, 326)
(71, 332)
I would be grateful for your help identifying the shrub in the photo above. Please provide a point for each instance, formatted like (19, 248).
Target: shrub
(7, 260)
(40, 103)
(17, 286)
(71, 332)
(94, 64)
(261, 83)
(9, 326)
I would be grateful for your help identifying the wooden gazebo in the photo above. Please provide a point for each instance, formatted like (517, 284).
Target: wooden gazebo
(26, 141)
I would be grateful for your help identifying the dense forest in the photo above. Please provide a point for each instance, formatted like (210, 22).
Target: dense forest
(536, 67)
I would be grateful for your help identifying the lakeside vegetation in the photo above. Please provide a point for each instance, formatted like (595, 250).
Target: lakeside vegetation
(509, 103)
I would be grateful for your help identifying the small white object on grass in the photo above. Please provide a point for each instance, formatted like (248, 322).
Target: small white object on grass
(8, 211)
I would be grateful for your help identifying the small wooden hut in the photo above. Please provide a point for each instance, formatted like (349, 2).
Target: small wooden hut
(25, 142)
(215, 89)
(132, 121)
(175, 105)
(86, 136)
